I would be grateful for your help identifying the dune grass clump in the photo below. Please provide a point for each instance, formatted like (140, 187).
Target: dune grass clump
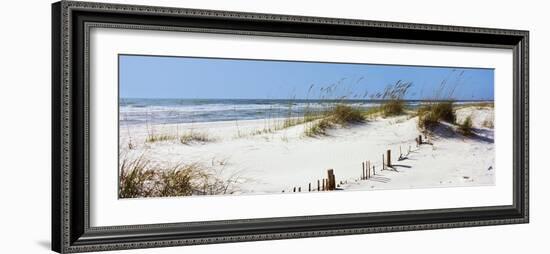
(430, 115)
(141, 178)
(339, 115)
(177, 181)
(344, 114)
(393, 95)
(135, 180)
(195, 137)
(465, 128)
(393, 108)
(318, 128)
(153, 137)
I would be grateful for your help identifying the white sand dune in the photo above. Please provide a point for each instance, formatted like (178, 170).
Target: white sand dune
(284, 159)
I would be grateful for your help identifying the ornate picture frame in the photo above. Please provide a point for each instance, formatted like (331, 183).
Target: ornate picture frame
(71, 196)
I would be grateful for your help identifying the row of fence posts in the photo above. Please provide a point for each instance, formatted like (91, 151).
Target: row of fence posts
(329, 183)
(366, 171)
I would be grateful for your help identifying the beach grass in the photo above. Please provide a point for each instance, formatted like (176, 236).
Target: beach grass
(431, 114)
(465, 128)
(393, 107)
(393, 95)
(339, 115)
(158, 137)
(142, 178)
(195, 137)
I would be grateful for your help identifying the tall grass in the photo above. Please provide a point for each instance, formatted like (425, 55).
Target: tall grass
(339, 115)
(441, 107)
(431, 114)
(393, 98)
(141, 178)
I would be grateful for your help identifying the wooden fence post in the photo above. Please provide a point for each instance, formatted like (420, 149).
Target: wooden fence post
(388, 155)
(318, 185)
(383, 162)
(419, 139)
(368, 169)
(294, 190)
(373, 170)
(309, 188)
(299, 189)
(363, 172)
(331, 179)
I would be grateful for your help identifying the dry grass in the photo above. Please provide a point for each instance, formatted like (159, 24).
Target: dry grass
(318, 128)
(343, 114)
(431, 114)
(153, 137)
(465, 128)
(339, 115)
(140, 178)
(195, 137)
(393, 96)
(393, 108)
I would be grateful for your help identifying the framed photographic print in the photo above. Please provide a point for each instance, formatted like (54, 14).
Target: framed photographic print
(181, 126)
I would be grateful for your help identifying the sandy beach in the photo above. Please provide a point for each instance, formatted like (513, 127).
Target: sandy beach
(260, 157)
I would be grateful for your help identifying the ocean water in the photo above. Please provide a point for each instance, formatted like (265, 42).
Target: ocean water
(168, 111)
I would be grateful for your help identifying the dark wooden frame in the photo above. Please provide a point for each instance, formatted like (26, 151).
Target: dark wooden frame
(71, 22)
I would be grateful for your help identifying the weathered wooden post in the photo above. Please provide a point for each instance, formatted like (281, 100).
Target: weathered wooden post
(363, 172)
(388, 155)
(331, 179)
(368, 169)
(323, 184)
(419, 139)
(299, 189)
(318, 185)
(383, 162)
(294, 190)
(309, 188)
(373, 170)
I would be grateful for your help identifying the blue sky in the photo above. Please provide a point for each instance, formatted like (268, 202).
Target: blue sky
(183, 77)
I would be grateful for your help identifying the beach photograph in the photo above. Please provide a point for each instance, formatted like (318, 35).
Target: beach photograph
(196, 126)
